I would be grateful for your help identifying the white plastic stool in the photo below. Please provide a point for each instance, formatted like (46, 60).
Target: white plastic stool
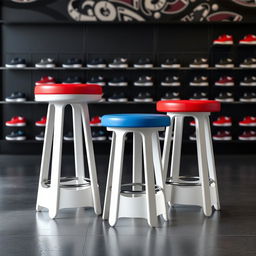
(202, 190)
(120, 201)
(57, 193)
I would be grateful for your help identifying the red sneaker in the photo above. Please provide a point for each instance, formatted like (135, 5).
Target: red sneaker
(95, 121)
(41, 122)
(46, 80)
(225, 81)
(224, 40)
(248, 135)
(192, 123)
(16, 121)
(223, 121)
(248, 121)
(248, 39)
(222, 135)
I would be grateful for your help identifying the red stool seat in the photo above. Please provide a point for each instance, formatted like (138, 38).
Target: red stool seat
(68, 89)
(188, 106)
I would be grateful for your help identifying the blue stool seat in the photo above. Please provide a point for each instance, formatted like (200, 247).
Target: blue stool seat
(135, 120)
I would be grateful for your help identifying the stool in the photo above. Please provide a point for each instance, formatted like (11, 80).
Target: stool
(202, 190)
(78, 191)
(135, 200)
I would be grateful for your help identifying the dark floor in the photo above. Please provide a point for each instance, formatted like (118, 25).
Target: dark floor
(231, 232)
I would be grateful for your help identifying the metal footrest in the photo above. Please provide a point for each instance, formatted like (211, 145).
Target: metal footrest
(136, 189)
(69, 182)
(187, 181)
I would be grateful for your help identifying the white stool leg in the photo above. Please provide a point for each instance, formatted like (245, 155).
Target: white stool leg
(105, 215)
(56, 159)
(149, 178)
(158, 169)
(117, 177)
(202, 164)
(137, 159)
(47, 149)
(78, 143)
(211, 162)
(91, 158)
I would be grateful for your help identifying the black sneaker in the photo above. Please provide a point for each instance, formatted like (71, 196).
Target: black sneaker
(171, 63)
(99, 80)
(69, 136)
(171, 96)
(143, 63)
(119, 63)
(46, 63)
(118, 81)
(40, 136)
(16, 97)
(199, 96)
(225, 97)
(248, 63)
(248, 81)
(248, 97)
(99, 135)
(144, 81)
(192, 136)
(171, 81)
(225, 63)
(199, 81)
(72, 63)
(199, 63)
(97, 63)
(72, 80)
(143, 97)
(16, 63)
(118, 97)
(16, 136)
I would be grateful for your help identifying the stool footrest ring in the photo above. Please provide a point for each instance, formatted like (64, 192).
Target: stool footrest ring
(69, 182)
(187, 181)
(132, 188)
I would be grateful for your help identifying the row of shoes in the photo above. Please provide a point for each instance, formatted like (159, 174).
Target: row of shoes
(18, 62)
(20, 121)
(227, 39)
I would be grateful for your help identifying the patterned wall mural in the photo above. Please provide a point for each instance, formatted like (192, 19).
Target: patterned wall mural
(144, 10)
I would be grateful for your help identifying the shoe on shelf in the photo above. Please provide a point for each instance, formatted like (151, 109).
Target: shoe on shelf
(200, 81)
(143, 97)
(95, 121)
(99, 135)
(223, 121)
(41, 122)
(199, 63)
(222, 135)
(16, 97)
(97, 63)
(99, 80)
(248, 97)
(16, 136)
(40, 136)
(224, 40)
(16, 63)
(247, 135)
(144, 81)
(225, 97)
(46, 80)
(225, 81)
(225, 63)
(199, 96)
(248, 81)
(248, 121)
(68, 136)
(72, 80)
(248, 63)
(72, 63)
(171, 63)
(143, 63)
(171, 96)
(16, 121)
(192, 136)
(118, 97)
(171, 81)
(118, 81)
(119, 63)
(248, 40)
(46, 63)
